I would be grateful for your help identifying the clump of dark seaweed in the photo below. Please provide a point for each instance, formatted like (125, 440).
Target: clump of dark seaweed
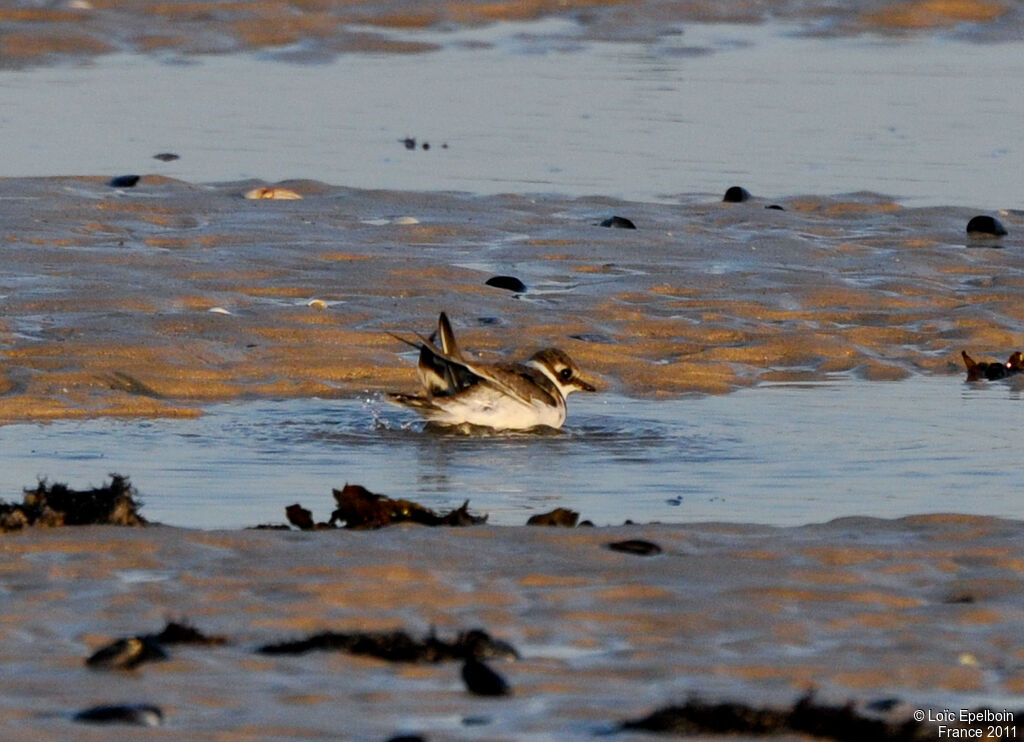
(481, 680)
(126, 654)
(59, 505)
(358, 508)
(132, 651)
(993, 370)
(399, 646)
(842, 723)
(563, 517)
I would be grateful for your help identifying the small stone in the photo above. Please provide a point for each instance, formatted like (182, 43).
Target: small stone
(618, 222)
(636, 546)
(124, 181)
(166, 156)
(143, 715)
(986, 226)
(509, 283)
(735, 195)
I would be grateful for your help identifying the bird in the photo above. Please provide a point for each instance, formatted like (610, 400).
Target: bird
(501, 396)
(977, 370)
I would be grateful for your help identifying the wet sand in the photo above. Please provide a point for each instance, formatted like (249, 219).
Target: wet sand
(158, 299)
(316, 30)
(163, 298)
(926, 610)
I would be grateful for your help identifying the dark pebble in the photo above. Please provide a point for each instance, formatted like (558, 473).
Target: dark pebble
(426, 145)
(986, 225)
(774, 207)
(618, 222)
(166, 156)
(124, 181)
(483, 681)
(735, 195)
(408, 738)
(409, 142)
(635, 546)
(511, 283)
(124, 654)
(142, 715)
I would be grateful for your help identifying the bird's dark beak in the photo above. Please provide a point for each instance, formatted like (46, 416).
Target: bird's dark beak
(584, 386)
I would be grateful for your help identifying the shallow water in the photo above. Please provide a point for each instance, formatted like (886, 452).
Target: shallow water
(782, 454)
(928, 120)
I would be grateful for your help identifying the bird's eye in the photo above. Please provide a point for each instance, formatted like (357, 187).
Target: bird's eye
(565, 374)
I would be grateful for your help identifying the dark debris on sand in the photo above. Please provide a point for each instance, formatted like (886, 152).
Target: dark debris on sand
(563, 517)
(993, 370)
(819, 721)
(139, 714)
(58, 505)
(637, 546)
(358, 508)
(481, 680)
(399, 646)
(131, 651)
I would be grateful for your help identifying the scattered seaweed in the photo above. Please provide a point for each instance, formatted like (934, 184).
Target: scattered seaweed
(358, 508)
(58, 505)
(993, 370)
(130, 652)
(481, 680)
(841, 723)
(182, 633)
(302, 518)
(399, 646)
(557, 517)
(126, 654)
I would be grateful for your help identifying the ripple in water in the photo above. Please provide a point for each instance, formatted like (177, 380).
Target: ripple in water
(777, 454)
